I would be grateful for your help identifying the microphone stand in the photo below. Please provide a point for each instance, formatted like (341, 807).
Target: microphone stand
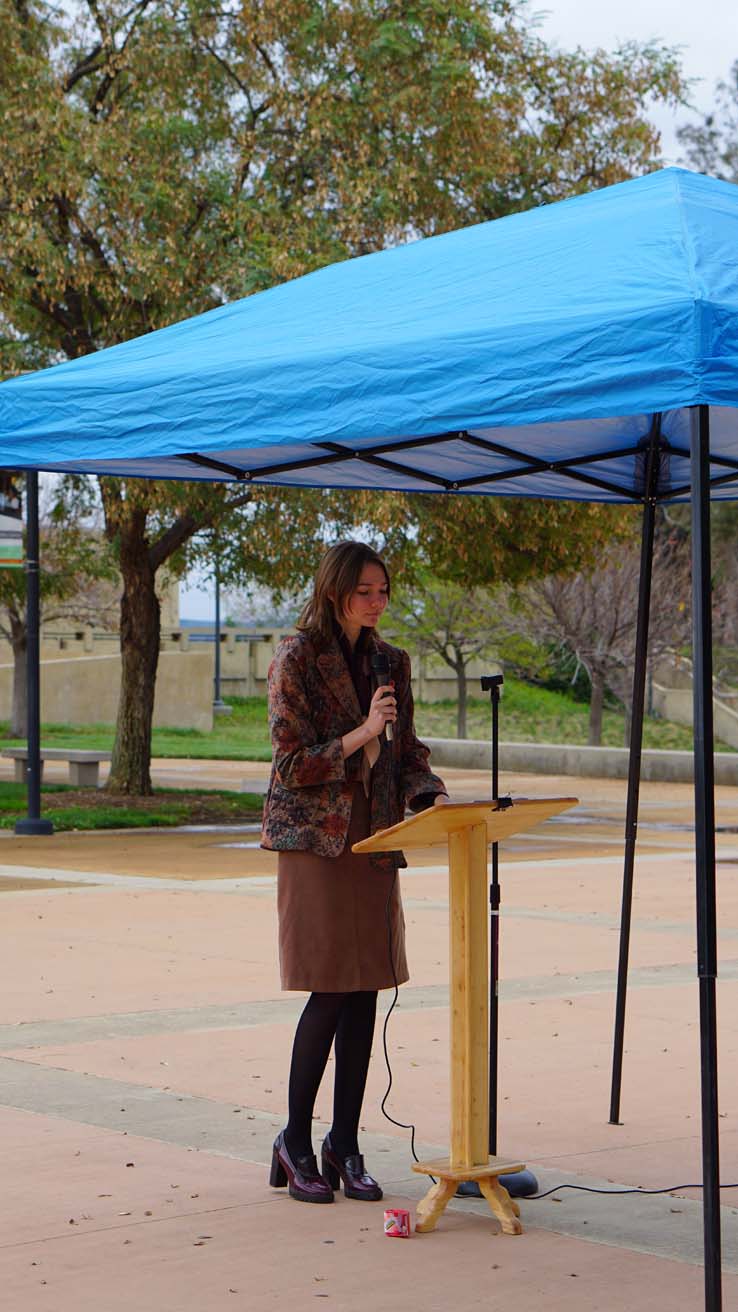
(492, 683)
(520, 1184)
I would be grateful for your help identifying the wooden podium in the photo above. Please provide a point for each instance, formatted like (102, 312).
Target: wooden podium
(468, 828)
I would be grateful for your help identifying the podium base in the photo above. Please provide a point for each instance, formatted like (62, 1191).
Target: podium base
(485, 1174)
(519, 1184)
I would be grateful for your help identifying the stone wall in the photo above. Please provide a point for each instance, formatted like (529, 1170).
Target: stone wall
(245, 655)
(671, 698)
(570, 759)
(84, 689)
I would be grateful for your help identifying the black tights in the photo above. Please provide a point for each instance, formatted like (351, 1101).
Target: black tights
(349, 1018)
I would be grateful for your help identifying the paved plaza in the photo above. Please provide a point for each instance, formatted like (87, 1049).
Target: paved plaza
(144, 1044)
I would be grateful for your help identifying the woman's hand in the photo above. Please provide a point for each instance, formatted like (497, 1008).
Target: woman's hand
(382, 710)
(441, 799)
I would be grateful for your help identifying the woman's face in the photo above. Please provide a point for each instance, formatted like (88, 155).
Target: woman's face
(363, 608)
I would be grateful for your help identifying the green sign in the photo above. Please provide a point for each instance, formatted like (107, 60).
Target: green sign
(11, 524)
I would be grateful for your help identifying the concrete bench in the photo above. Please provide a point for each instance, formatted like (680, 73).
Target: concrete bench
(84, 766)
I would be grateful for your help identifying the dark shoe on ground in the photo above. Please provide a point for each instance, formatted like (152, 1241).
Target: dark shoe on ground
(356, 1182)
(301, 1175)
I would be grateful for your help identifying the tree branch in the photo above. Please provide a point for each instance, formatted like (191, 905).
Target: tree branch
(75, 339)
(188, 524)
(90, 64)
(111, 496)
(71, 212)
(175, 537)
(237, 502)
(267, 60)
(107, 53)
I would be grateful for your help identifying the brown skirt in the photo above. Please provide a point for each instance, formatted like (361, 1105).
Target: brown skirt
(333, 922)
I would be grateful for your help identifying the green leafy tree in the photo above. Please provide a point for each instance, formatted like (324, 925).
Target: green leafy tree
(269, 536)
(162, 156)
(487, 541)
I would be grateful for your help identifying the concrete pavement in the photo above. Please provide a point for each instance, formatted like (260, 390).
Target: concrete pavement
(143, 1059)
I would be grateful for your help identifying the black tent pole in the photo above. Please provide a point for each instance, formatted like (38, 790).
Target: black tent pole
(634, 762)
(494, 913)
(704, 805)
(32, 822)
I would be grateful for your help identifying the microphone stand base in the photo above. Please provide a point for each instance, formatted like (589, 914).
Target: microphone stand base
(519, 1184)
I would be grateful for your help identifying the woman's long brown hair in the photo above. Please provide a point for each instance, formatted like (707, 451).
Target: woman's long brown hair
(338, 576)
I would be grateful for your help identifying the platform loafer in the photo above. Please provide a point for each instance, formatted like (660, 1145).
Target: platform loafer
(356, 1182)
(304, 1181)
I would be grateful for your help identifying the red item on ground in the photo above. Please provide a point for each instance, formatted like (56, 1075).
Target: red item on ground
(397, 1223)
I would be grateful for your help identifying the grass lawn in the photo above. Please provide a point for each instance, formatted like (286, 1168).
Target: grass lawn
(240, 736)
(90, 808)
(527, 714)
(530, 714)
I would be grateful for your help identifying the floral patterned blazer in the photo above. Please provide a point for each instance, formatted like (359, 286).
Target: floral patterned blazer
(312, 704)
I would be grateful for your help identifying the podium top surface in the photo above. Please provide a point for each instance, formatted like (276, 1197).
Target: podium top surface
(436, 823)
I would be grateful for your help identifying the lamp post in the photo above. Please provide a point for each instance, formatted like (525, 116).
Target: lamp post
(219, 706)
(33, 823)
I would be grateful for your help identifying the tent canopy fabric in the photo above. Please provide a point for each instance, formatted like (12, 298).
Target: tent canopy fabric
(532, 356)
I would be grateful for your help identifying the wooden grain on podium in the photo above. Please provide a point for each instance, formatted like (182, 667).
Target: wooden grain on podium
(436, 823)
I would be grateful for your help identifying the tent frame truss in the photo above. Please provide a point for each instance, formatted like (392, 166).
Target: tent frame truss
(576, 468)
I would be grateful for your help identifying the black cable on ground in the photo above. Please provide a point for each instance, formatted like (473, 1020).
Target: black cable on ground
(400, 1124)
(403, 1125)
(588, 1189)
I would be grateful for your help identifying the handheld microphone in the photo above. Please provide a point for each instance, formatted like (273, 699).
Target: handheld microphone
(381, 672)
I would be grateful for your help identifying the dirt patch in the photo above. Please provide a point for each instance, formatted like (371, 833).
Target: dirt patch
(201, 807)
(12, 884)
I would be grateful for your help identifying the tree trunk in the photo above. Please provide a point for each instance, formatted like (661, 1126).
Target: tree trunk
(595, 709)
(461, 686)
(130, 768)
(19, 715)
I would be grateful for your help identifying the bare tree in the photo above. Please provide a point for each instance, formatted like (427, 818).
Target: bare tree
(447, 620)
(725, 595)
(593, 615)
(258, 606)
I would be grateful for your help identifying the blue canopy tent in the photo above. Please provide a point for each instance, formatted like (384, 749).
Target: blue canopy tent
(584, 350)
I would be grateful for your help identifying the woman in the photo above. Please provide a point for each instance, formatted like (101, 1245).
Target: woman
(337, 777)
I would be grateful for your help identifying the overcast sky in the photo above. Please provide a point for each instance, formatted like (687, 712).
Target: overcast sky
(706, 31)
